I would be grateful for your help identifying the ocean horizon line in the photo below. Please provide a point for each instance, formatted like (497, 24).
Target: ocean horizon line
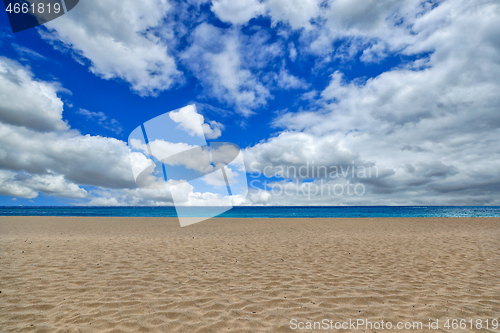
(256, 211)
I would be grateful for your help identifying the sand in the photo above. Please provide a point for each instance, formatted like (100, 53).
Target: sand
(61, 274)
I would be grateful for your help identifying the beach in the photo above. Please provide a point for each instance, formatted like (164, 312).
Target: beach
(105, 274)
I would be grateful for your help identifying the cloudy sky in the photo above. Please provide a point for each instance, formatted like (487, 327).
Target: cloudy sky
(406, 89)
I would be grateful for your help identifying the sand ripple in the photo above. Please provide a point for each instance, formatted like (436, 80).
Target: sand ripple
(242, 275)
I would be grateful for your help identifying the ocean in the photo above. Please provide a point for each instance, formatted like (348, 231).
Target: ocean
(261, 212)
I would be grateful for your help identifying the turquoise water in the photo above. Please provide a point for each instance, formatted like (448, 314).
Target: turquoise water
(262, 212)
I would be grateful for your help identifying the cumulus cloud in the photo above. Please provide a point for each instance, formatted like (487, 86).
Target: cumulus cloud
(131, 197)
(28, 186)
(89, 160)
(38, 152)
(215, 59)
(160, 148)
(285, 154)
(364, 16)
(428, 129)
(185, 194)
(119, 40)
(193, 123)
(9, 187)
(180, 154)
(25, 101)
(237, 12)
(298, 13)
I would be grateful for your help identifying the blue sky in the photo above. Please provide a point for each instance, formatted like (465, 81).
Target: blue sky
(408, 88)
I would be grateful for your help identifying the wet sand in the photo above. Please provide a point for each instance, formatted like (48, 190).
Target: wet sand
(76, 274)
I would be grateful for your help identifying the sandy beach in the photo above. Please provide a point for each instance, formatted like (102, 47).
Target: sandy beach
(78, 274)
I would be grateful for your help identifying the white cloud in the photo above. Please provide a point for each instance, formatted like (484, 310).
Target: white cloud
(288, 81)
(25, 101)
(38, 152)
(237, 12)
(90, 160)
(9, 187)
(343, 28)
(215, 59)
(364, 16)
(185, 195)
(160, 148)
(286, 153)
(60, 152)
(193, 123)
(242, 87)
(215, 180)
(131, 197)
(292, 51)
(110, 124)
(429, 129)
(23, 185)
(28, 53)
(191, 157)
(139, 161)
(118, 38)
(55, 185)
(297, 13)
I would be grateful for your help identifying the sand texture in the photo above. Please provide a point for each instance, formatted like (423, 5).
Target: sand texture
(79, 274)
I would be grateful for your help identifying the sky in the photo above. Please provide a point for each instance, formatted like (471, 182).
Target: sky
(336, 102)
